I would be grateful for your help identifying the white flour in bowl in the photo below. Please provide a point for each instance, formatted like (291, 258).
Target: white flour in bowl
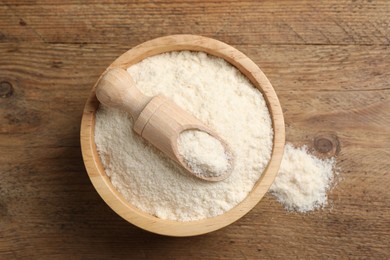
(220, 96)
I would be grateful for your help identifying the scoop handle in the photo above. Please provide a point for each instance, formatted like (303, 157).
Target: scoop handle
(116, 88)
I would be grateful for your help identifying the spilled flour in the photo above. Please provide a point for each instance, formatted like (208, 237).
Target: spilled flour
(204, 154)
(303, 180)
(221, 97)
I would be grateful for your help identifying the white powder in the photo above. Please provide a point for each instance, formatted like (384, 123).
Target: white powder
(303, 180)
(221, 97)
(204, 154)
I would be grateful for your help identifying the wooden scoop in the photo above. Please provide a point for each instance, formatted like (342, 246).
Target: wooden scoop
(156, 119)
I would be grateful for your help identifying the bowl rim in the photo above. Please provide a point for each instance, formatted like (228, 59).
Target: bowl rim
(117, 202)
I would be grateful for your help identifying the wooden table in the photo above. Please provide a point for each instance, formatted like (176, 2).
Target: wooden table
(329, 62)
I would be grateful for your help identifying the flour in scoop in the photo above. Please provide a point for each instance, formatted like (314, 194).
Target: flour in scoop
(204, 154)
(303, 180)
(222, 98)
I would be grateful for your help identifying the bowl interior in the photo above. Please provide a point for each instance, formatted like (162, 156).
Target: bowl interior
(151, 223)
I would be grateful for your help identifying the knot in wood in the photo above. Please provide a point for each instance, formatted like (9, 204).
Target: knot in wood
(323, 145)
(327, 144)
(6, 89)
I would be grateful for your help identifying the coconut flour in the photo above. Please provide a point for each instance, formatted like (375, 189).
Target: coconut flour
(204, 154)
(221, 97)
(303, 180)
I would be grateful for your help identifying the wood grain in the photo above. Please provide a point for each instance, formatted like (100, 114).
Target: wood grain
(338, 89)
(235, 22)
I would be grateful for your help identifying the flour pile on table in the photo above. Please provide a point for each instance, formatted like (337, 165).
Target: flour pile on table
(303, 180)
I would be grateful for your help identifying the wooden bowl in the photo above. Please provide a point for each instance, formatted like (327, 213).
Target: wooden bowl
(151, 223)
